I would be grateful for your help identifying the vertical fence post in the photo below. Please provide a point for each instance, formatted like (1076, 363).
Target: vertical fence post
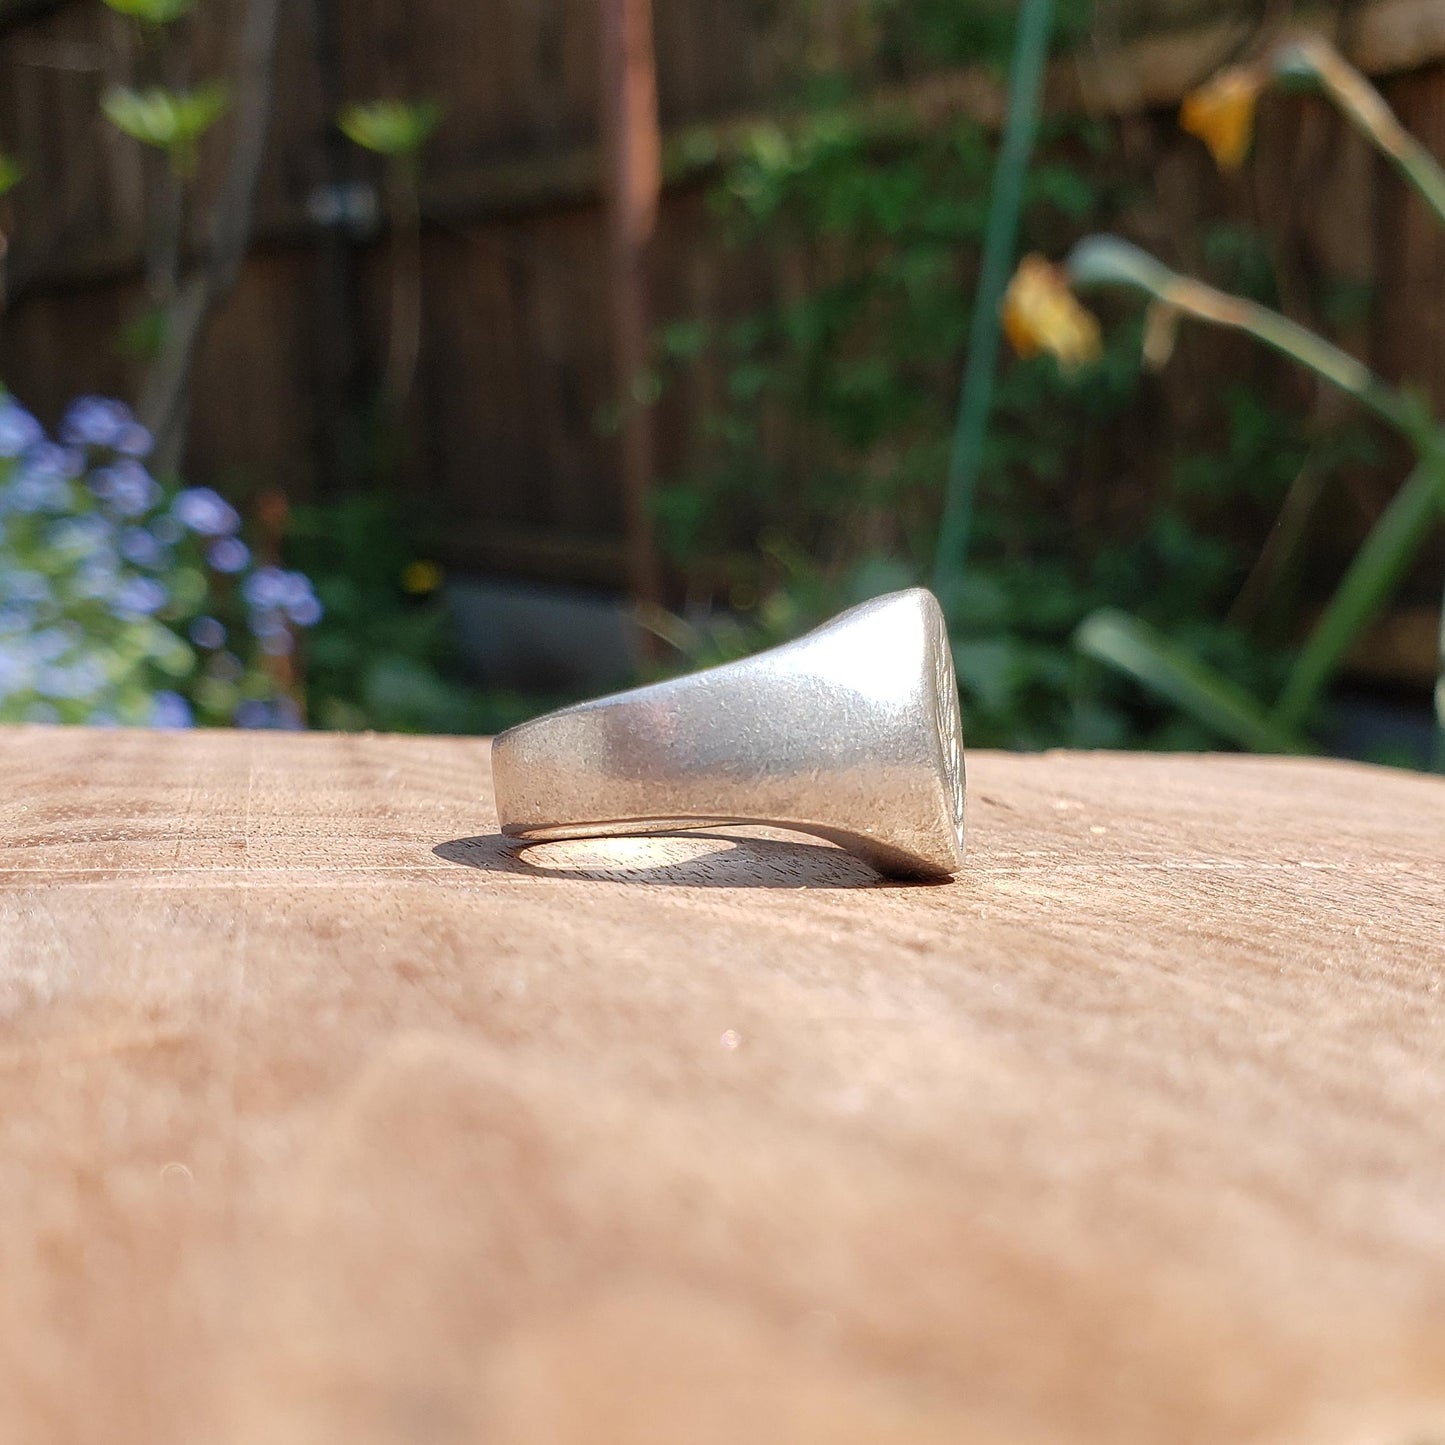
(632, 147)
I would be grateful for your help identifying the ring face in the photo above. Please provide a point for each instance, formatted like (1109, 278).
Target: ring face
(950, 722)
(850, 733)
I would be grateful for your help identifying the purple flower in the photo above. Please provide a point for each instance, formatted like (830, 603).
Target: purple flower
(253, 714)
(50, 460)
(170, 710)
(167, 531)
(134, 441)
(79, 534)
(140, 596)
(96, 578)
(19, 431)
(42, 484)
(24, 586)
(79, 679)
(298, 589)
(95, 421)
(306, 613)
(40, 494)
(228, 554)
(282, 713)
(300, 601)
(52, 644)
(14, 671)
(206, 512)
(266, 588)
(226, 666)
(127, 487)
(54, 682)
(208, 633)
(140, 548)
(277, 642)
(271, 590)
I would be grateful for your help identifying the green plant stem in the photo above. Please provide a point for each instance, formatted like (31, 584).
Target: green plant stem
(1372, 575)
(1370, 113)
(1422, 170)
(1106, 260)
(1026, 77)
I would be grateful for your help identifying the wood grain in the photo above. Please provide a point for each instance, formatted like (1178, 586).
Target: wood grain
(325, 1116)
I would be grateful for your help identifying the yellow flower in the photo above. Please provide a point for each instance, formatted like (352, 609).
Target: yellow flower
(1221, 113)
(1040, 313)
(419, 578)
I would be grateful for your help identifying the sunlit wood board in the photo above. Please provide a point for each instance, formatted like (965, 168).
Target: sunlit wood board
(325, 1116)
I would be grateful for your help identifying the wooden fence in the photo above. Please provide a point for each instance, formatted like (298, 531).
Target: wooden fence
(515, 359)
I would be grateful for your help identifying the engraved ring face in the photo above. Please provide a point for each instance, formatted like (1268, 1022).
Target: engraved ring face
(850, 733)
(950, 724)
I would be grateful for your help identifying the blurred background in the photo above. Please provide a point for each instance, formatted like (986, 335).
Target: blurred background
(422, 366)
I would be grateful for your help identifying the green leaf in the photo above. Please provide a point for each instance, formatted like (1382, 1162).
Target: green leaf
(1373, 574)
(170, 120)
(152, 12)
(11, 174)
(1165, 669)
(391, 127)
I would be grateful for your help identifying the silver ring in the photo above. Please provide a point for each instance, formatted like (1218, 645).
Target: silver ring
(851, 734)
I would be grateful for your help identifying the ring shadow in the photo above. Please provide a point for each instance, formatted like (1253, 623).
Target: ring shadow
(669, 859)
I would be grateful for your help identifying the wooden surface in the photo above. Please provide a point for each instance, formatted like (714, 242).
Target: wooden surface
(325, 1117)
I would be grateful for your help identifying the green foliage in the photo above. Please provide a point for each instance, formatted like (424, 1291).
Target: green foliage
(11, 174)
(391, 127)
(382, 655)
(1135, 648)
(1371, 578)
(918, 33)
(1171, 671)
(1187, 681)
(152, 12)
(819, 477)
(123, 601)
(172, 121)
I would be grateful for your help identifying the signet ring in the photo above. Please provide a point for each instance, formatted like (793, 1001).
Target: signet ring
(851, 733)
